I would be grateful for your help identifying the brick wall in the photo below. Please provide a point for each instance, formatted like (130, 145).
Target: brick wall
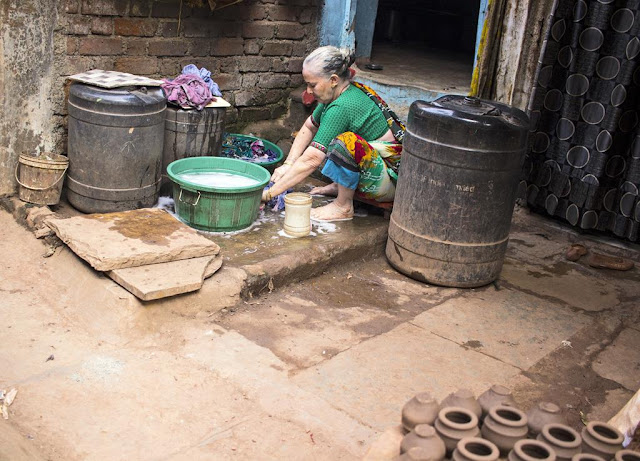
(254, 49)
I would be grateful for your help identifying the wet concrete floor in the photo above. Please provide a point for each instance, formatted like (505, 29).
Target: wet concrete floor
(315, 369)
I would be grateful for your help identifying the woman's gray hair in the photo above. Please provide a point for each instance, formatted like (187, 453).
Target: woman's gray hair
(328, 60)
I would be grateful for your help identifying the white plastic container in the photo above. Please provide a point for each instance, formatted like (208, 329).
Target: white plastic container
(297, 214)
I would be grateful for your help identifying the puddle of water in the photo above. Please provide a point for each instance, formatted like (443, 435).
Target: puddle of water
(167, 204)
(324, 227)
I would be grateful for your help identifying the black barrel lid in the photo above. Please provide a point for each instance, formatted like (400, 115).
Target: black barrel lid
(130, 99)
(479, 108)
(468, 104)
(467, 122)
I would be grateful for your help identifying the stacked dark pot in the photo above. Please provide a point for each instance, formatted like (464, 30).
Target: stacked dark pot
(463, 428)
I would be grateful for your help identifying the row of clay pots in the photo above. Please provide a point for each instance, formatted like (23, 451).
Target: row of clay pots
(504, 426)
(459, 416)
(477, 449)
(423, 408)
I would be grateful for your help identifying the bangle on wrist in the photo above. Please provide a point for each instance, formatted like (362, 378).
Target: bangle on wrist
(268, 195)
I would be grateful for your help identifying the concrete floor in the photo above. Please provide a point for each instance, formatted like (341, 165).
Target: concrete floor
(430, 69)
(317, 369)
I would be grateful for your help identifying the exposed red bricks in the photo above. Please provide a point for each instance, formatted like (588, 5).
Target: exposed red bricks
(254, 49)
(135, 26)
(100, 46)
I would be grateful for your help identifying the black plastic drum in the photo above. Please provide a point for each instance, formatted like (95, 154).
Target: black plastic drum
(456, 190)
(115, 146)
(191, 133)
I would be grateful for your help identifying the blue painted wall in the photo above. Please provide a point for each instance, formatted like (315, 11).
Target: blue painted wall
(336, 23)
(399, 97)
(365, 24)
(337, 29)
(482, 17)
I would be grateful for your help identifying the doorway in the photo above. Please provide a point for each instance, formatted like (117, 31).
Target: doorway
(424, 43)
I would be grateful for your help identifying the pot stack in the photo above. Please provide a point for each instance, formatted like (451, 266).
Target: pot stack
(463, 428)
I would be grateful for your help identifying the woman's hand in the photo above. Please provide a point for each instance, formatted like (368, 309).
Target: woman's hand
(279, 172)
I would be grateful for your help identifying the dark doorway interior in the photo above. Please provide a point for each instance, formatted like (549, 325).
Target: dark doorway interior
(427, 43)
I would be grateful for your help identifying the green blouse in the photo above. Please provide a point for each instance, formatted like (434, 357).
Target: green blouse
(352, 111)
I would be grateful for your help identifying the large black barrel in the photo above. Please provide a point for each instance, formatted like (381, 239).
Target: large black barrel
(456, 190)
(115, 147)
(191, 133)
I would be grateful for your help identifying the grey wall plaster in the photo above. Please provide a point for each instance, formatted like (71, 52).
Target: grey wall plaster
(26, 61)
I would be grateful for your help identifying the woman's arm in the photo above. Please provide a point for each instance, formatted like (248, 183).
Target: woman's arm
(302, 141)
(311, 159)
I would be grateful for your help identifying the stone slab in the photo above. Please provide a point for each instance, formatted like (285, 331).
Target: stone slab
(156, 281)
(373, 380)
(561, 281)
(264, 380)
(131, 238)
(514, 327)
(537, 245)
(620, 360)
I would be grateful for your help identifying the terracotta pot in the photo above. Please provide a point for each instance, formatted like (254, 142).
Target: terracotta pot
(415, 454)
(601, 439)
(493, 396)
(504, 426)
(421, 409)
(454, 424)
(531, 450)
(565, 441)
(627, 455)
(475, 449)
(463, 398)
(424, 436)
(586, 457)
(541, 414)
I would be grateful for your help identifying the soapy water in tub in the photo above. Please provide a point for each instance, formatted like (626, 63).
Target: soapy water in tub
(218, 180)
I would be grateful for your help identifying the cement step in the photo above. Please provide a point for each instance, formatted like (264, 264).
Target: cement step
(256, 260)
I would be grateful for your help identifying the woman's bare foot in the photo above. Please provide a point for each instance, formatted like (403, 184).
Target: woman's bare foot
(332, 212)
(331, 189)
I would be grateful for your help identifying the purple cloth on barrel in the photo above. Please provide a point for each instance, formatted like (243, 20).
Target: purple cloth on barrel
(205, 75)
(187, 91)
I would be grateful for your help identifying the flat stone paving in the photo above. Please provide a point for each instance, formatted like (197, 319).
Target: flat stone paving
(314, 370)
(511, 326)
(373, 380)
(620, 361)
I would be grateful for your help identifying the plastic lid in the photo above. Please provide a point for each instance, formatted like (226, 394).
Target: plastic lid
(481, 108)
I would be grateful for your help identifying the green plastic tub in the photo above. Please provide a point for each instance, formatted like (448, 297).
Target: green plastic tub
(229, 149)
(217, 209)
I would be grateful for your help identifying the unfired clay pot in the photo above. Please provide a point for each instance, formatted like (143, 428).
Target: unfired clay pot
(454, 424)
(627, 455)
(463, 398)
(504, 426)
(495, 395)
(424, 435)
(415, 454)
(586, 457)
(601, 439)
(421, 409)
(565, 441)
(475, 449)
(541, 414)
(531, 450)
